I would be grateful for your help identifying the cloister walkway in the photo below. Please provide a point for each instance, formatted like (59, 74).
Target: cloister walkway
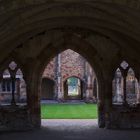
(72, 130)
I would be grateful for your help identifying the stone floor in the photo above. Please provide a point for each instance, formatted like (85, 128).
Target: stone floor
(72, 130)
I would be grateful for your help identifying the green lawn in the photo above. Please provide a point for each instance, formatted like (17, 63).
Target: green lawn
(68, 111)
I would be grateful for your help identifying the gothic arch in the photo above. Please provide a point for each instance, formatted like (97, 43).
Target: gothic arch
(76, 44)
(124, 85)
(134, 66)
(82, 48)
(13, 84)
(8, 60)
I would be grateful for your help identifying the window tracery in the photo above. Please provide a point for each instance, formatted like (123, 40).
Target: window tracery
(12, 85)
(125, 86)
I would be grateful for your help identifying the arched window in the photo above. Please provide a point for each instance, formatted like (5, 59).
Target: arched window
(118, 88)
(131, 87)
(20, 87)
(6, 82)
(125, 85)
(12, 86)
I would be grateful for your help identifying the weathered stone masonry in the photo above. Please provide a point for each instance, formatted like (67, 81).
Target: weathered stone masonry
(105, 32)
(70, 64)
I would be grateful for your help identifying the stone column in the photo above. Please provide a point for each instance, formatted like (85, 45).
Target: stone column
(13, 79)
(33, 93)
(124, 87)
(101, 104)
(59, 93)
(1, 82)
(95, 89)
(1, 87)
(137, 86)
(18, 89)
(84, 80)
(101, 114)
(108, 101)
(89, 89)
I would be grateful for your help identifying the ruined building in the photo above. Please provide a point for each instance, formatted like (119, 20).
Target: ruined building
(69, 65)
(105, 32)
(66, 66)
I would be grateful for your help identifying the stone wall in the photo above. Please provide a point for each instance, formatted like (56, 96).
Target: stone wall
(20, 93)
(71, 64)
(49, 71)
(14, 118)
(124, 117)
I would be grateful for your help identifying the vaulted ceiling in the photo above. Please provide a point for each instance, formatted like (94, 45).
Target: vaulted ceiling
(111, 27)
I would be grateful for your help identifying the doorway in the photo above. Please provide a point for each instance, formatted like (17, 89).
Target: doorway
(47, 89)
(73, 88)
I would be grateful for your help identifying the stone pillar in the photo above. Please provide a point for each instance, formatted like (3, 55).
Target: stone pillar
(137, 91)
(13, 79)
(108, 100)
(89, 89)
(1, 83)
(84, 80)
(18, 89)
(1, 98)
(0, 87)
(124, 87)
(59, 93)
(95, 89)
(101, 104)
(33, 101)
(101, 114)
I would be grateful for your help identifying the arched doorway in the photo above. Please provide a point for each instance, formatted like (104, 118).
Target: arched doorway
(47, 89)
(73, 76)
(73, 88)
(60, 78)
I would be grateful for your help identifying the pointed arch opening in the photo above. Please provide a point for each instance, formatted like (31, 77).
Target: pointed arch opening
(74, 86)
(70, 64)
(13, 86)
(125, 86)
(118, 88)
(131, 87)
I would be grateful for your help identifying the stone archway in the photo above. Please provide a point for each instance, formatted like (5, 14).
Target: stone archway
(101, 24)
(83, 48)
(77, 92)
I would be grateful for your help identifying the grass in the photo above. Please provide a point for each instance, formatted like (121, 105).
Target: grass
(68, 111)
